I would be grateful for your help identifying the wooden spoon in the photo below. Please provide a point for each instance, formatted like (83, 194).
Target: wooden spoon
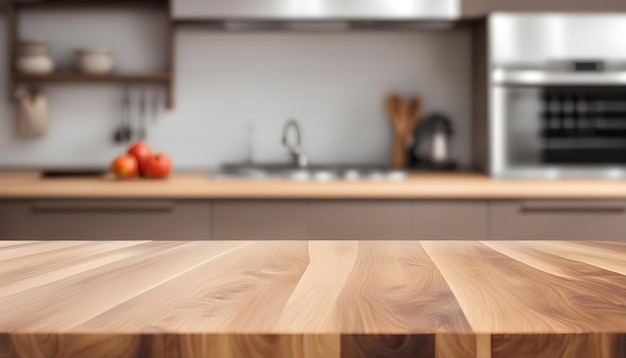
(398, 112)
(415, 111)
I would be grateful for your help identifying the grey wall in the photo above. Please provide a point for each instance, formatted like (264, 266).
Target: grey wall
(334, 83)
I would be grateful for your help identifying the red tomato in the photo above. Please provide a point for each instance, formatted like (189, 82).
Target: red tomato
(141, 151)
(125, 166)
(158, 166)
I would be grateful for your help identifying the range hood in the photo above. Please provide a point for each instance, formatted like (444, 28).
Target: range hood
(316, 10)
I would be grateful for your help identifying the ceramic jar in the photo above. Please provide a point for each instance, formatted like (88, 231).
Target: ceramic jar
(32, 57)
(94, 61)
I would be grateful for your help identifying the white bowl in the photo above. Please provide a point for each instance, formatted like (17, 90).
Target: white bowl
(94, 61)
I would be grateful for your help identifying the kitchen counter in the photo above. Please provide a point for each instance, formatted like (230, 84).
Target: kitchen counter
(313, 298)
(198, 185)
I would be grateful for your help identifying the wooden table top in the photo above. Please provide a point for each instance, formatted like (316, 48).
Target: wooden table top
(198, 185)
(324, 291)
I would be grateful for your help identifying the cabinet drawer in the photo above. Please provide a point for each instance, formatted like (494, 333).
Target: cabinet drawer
(558, 220)
(267, 220)
(105, 220)
(450, 220)
(360, 220)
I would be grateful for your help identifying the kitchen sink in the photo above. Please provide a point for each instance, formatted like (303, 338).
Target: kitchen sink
(311, 172)
(299, 167)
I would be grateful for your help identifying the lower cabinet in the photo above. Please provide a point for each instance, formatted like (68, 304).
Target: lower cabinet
(313, 220)
(558, 220)
(259, 220)
(360, 220)
(350, 220)
(105, 220)
(451, 220)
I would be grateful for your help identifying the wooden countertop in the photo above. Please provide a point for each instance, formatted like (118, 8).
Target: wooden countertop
(313, 299)
(198, 185)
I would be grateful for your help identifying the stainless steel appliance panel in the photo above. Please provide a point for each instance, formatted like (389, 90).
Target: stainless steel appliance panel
(317, 9)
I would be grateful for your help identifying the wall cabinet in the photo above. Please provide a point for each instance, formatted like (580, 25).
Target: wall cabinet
(105, 220)
(478, 8)
(474, 8)
(604, 5)
(535, 5)
(558, 220)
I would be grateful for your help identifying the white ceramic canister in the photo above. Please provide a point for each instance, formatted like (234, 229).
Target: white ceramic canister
(32, 57)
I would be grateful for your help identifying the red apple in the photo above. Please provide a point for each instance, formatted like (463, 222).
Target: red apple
(158, 166)
(141, 151)
(125, 166)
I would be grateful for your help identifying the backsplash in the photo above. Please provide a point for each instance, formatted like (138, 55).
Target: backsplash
(227, 83)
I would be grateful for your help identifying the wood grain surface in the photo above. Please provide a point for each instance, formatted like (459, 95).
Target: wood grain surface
(199, 185)
(312, 299)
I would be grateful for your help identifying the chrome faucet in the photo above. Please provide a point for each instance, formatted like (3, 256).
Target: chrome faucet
(295, 149)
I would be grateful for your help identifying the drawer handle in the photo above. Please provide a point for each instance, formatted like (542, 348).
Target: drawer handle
(573, 207)
(101, 206)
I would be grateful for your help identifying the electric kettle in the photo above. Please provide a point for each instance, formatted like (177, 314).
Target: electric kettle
(431, 143)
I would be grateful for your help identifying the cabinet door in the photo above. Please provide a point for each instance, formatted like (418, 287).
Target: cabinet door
(267, 220)
(359, 220)
(450, 220)
(105, 220)
(535, 5)
(474, 8)
(558, 220)
(604, 5)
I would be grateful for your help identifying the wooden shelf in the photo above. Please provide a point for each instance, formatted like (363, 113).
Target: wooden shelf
(13, 8)
(80, 77)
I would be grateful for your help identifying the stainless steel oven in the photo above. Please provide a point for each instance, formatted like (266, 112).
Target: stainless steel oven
(556, 93)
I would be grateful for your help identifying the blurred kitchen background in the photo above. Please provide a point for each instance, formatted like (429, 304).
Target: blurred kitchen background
(232, 87)
(533, 90)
